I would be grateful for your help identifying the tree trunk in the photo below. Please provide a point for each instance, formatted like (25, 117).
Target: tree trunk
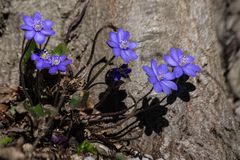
(205, 127)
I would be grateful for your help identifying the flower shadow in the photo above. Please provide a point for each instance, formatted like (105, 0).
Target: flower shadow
(112, 100)
(152, 120)
(183, 92)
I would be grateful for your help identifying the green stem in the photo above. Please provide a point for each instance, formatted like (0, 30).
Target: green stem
(22, 78)
(98, 73)
(45, 45)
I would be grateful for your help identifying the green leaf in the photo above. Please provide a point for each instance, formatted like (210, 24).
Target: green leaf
(86, 147)
(12, 110)
(5, 140)
(79, 98)
(61, 49)
(37, 111)
(30, 46)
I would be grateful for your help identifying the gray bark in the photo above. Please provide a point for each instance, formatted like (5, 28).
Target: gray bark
(203, 128)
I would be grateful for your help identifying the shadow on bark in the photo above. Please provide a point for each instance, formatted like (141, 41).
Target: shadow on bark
(152, 120)
(183, 92)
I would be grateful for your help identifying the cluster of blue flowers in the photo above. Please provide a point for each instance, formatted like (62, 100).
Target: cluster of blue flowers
(38, 29)
(54, 63)
(160, 76)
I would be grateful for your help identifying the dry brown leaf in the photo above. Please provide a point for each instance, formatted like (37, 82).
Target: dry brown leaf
(8, 93)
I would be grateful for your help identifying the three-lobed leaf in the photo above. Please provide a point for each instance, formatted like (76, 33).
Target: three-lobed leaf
(87, 147)
(37, 111)
(30, 46)
(5, 140)
(60, 49)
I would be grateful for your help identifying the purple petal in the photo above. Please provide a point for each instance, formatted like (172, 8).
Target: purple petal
(131, 55)
(29, 34)
(169, 76)
(179, 52)
(116, 51)
(28, 20)
(39, 64)
(47, 32)
(47, 24)
(152, 80)
(195, 67)
(174, 54)
(46, 64)
(148, 70)
(35, 57)
(169, 60)
(124, 56)
(189, 59)
(170, 84)
(191, 70)
(154, 66)
(113, 37)
(26, 27)
(188, 70)
(120, 35)
(165, 88)
(62, 57)
(162, 69)
(39, 38)
(53, 70)
(62, 68)
(67, 62)
(132, 45)
(126, 35)
(157, 87)
(112, 44)
(178, 72)
(37, 16)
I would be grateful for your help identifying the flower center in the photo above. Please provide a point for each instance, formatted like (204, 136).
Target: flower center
(44, 55)
(37, 25)
(183, 61)
(55, 61)
(160, 77)
(124, 44)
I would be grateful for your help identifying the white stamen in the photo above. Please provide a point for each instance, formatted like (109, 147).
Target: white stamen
(160, 76)
(124, 44)
(183, 61)
(37, 25)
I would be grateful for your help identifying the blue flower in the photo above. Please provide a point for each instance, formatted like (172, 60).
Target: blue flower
(122, 71)
(160, 78)
(37, 28)
(183, 64)
(58, 63)
(120, 45)
(41, 59)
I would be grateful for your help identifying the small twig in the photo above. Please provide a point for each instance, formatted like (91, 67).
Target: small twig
(38, 86)
(119, 112)
(94, 84)
(45, 45)
(93, 47)
(23, 44)
(134, 113)
(102, 60)
(98, 73)
(22, 78)
(122, 130)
